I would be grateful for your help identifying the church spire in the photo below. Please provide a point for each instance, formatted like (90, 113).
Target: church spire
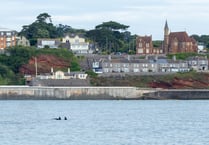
(166, 37)
(166, 25)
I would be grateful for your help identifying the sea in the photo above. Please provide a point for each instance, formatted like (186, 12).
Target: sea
(108, 122)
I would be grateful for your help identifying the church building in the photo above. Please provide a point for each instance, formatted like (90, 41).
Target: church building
(178, 42)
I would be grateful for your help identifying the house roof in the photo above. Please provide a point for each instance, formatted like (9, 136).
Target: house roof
(5, 29)
(146, 39)
(180, 37)
(74, 35)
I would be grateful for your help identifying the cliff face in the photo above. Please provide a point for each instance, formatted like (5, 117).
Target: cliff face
(183, 83)
(44, 64)
(175, 81)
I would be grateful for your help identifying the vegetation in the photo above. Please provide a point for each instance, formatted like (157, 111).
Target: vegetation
(178, 80)
(44, 28)
(17, 56)
(203, 39)
(183, 56)
(112, 37)
(157, 43)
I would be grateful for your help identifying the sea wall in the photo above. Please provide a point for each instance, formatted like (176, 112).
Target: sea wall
(71, 93)
(98, 93)
(179, 94)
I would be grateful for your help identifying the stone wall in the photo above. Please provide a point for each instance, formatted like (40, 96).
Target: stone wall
(71, 93)
(179, 94)
(98, 93)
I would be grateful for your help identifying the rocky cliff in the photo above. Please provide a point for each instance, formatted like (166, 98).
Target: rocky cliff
(44, 64)
(182, 83)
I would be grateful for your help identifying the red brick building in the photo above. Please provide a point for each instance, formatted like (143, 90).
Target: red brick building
(7, 38)
(144, 45)
(178, 42)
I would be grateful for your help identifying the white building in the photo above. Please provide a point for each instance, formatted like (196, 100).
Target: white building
(51, 43)
(77, 43)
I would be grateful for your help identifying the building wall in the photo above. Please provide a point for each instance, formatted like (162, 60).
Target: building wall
(144, 45)
(178, 42)
(7, 38)
(77, 44)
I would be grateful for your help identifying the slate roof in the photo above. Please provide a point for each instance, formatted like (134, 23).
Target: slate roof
(5, 30)
(180, 37)
(146, 39)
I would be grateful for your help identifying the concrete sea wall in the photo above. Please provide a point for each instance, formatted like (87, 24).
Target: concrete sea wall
(71, 93)
(179, 94)
(97, 93)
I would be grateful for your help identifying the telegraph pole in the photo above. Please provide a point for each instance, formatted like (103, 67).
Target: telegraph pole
(36, 65)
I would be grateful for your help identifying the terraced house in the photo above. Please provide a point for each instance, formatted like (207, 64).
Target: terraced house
(7, 38)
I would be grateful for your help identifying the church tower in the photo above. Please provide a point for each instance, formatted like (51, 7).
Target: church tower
(166, 38)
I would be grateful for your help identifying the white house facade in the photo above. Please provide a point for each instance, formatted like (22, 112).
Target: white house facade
(77, 43)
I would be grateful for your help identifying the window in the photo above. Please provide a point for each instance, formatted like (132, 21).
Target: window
(140, 50)
(8, 33)
(147, 44)
(140, 44)
(76, 40)
(8, 44)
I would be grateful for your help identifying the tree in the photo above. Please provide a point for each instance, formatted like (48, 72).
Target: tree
(41, 28)
(109, 36)
(113, 26)
(43, 17)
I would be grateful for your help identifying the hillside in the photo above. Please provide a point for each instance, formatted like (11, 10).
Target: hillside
(44, 64)
(189, 80)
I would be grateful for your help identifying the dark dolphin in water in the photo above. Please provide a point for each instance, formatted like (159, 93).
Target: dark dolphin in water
(59, 118)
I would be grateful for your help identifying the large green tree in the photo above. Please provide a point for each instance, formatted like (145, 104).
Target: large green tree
(110, 36)
(202, 38)
(41, 28)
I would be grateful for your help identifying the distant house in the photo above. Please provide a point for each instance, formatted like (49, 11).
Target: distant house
(126, 65)
(51, 43)
(198, 63)
(60, 75)
(178, 42)
(172, 66)
(137, 66)
(144, 45)
(77, 43)
(7, 38)
(201, 48)
(96, 66)
(22, 41)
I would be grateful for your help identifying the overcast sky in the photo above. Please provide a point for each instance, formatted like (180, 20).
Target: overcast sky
(145, 17)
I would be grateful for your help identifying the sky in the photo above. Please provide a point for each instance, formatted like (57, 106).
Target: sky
(145, 17)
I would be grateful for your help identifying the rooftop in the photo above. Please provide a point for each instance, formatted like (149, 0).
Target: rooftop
(5, 29)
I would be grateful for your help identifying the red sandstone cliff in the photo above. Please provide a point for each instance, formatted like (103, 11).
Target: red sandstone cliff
(183, 83)
(44, 64)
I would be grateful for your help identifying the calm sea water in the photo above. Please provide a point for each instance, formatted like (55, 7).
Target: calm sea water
(104, 123)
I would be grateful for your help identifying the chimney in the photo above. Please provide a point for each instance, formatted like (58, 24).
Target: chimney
(174, 58)
(52, 70)
(128, 57)
(109, 57)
